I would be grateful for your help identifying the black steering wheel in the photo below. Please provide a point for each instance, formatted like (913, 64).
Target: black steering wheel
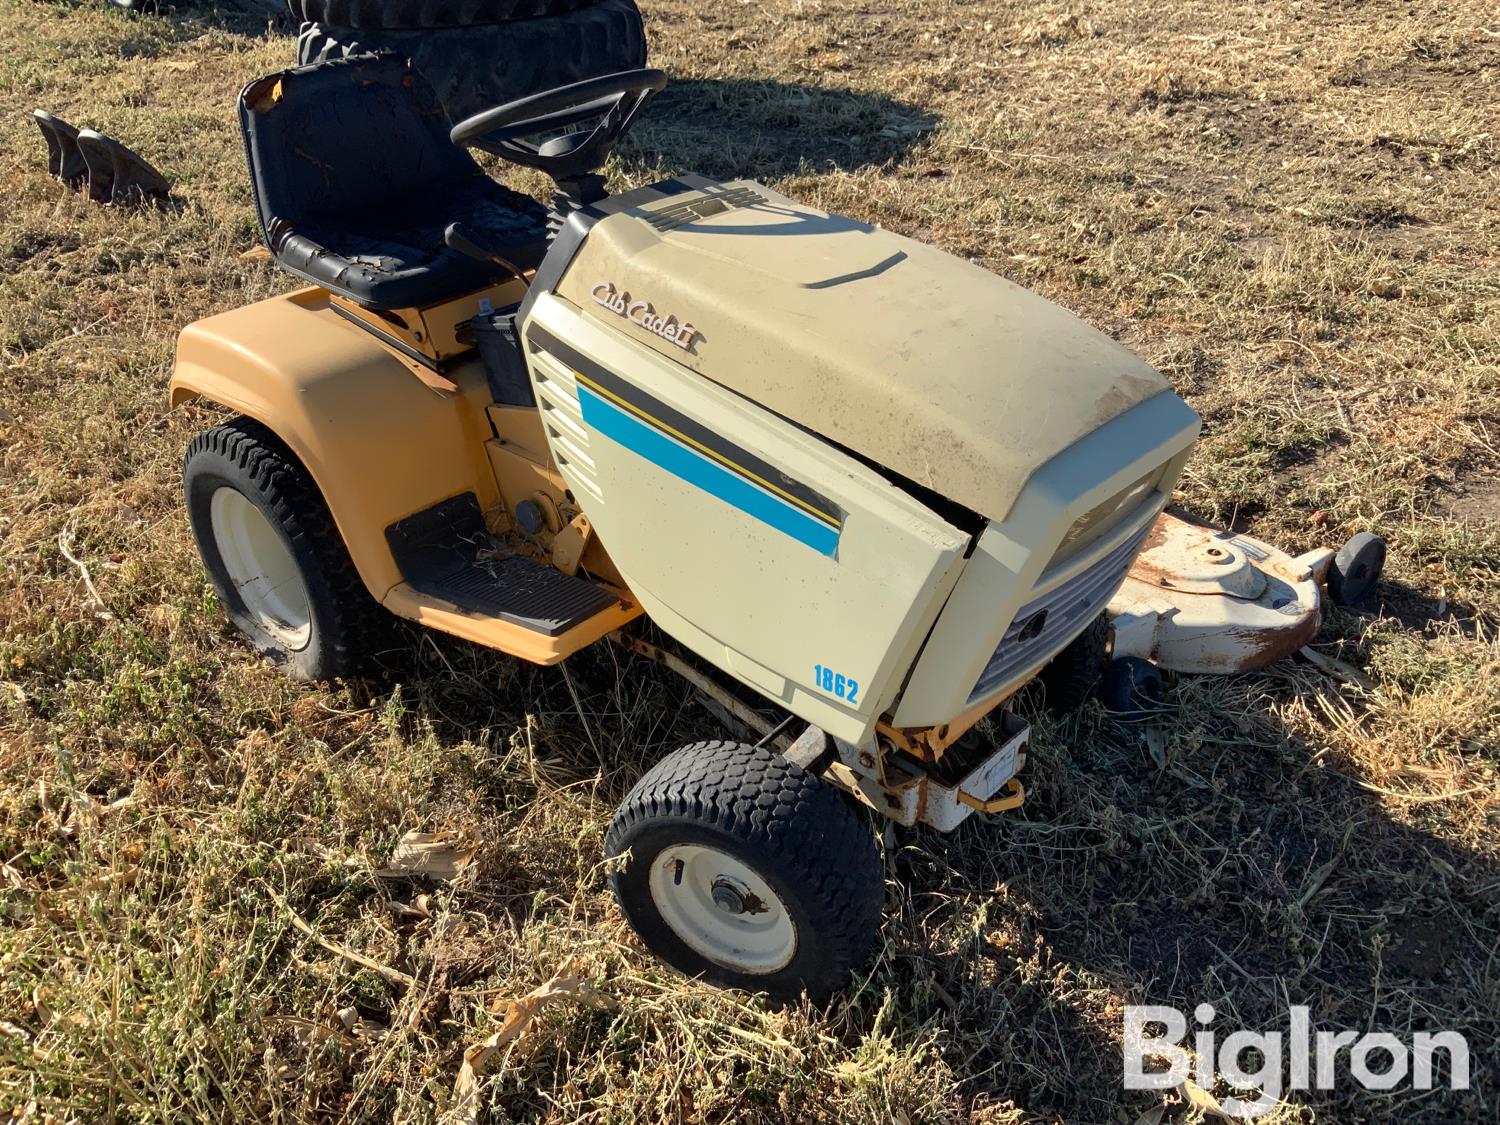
(615, 99)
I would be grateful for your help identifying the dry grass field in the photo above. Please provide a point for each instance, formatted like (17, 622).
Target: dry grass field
(1291, 207)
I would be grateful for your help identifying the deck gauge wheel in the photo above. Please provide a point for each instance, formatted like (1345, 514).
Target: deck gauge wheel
(1132, 689)
(744, 869)
(1355, 569)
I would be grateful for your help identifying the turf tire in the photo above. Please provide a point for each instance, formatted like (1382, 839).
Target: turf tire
(472, 69)
(347, 624)
(1073, 675)
(795, 831)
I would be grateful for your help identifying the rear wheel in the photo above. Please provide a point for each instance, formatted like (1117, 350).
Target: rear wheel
(748, 871)
(276, 560)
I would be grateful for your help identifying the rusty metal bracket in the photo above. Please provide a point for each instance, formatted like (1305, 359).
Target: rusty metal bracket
(1011, 797)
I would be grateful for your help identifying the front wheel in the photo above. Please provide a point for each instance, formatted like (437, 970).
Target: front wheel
(275, 558)
(744, 869)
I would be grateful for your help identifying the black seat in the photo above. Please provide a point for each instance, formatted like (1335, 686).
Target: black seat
(355, 181)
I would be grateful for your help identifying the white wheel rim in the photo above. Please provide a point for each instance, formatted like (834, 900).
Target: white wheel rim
(261, 566)
(722, 909)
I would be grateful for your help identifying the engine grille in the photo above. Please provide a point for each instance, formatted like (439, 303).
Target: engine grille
(1068, 609)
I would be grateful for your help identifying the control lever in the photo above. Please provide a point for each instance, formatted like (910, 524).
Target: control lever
(461, 238)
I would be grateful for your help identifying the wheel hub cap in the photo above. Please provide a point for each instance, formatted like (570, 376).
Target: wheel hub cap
(261, 566)
(722, 909)
(734, 898)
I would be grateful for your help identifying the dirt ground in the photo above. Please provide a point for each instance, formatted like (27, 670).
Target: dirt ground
(1290, 207)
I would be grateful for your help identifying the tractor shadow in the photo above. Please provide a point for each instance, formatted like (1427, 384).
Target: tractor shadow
(733, 127)
(1252, 873)
(1430, 614)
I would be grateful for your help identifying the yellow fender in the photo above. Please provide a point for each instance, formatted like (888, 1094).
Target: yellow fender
(379, 442)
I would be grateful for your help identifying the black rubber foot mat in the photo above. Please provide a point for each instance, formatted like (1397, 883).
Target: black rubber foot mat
(445, 551)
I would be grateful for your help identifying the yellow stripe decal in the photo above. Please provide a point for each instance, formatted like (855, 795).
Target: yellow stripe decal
(703, 449)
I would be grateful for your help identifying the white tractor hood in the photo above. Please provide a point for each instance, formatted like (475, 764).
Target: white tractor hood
(935, 368)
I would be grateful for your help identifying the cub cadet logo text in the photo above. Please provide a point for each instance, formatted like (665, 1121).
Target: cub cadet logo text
(641, 313)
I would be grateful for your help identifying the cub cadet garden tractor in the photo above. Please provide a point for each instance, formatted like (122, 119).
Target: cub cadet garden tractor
(877, 486)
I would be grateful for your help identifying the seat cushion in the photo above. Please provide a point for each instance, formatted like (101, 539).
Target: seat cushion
(384, 265)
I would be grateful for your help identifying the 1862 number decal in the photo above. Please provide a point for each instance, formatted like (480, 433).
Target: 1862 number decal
(836, 683)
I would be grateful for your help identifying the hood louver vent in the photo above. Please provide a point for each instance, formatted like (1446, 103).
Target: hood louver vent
(702, 207)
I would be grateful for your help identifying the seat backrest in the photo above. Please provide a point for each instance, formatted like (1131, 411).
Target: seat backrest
(346, 139)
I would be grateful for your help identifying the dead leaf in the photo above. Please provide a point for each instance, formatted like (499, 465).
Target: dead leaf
(1201, 1099)
(1152, 1116)
(256, 254)
(359, 1027)
(435, 855)
(1156, 743)
(419, 907)
(1339, 670)
(6, 417)
(1315, 883)
(566, 985)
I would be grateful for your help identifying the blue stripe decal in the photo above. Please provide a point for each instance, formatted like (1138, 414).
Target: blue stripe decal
(691, 466)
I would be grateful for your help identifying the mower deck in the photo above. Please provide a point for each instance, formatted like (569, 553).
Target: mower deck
(1202, 600)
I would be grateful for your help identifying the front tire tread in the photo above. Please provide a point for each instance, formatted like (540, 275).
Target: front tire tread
(792, 827)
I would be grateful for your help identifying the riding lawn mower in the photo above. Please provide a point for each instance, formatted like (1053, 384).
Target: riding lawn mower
(863, 491)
